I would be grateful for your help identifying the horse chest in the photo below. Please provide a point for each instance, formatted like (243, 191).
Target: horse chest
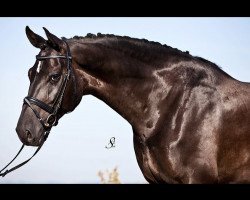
(148, 159)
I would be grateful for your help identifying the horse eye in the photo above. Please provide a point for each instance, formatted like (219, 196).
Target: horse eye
(55, 77)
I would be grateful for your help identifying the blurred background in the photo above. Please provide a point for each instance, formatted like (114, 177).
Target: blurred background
(75, 150)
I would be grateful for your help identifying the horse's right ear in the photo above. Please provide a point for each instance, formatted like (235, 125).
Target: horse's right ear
(36, 40)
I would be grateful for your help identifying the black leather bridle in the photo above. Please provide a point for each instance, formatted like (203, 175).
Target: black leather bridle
(52, 118)
(52, 110)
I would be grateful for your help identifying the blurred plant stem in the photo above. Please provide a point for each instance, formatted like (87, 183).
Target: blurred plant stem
(110, 177)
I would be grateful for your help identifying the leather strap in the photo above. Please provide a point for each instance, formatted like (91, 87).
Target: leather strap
(3, 174)
(49, 57)
(24, 162)
(39, 103)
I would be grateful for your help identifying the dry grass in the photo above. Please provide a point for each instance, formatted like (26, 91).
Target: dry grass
(110, 177)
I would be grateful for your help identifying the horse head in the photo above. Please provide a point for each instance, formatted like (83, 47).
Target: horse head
(52, 91)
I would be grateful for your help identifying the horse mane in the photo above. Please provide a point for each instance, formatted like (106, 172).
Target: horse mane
(146, 42)
(207, 61)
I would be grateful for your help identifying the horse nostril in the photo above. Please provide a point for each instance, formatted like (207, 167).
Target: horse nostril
(28, 134)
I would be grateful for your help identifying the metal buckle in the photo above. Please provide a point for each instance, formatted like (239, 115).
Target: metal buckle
(50, 121)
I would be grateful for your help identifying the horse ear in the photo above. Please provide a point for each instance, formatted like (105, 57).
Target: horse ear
(55, 42)
(36, 40)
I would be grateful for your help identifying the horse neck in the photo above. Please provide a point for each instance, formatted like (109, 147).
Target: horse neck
(133, 88)
(121, 82)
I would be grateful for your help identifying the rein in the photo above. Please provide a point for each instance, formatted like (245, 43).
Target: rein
(52, 118)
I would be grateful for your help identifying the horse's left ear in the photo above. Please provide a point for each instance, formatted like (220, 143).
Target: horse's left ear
(55, 42)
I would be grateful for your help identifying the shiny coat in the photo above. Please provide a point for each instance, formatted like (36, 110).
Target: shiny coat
(191, 120)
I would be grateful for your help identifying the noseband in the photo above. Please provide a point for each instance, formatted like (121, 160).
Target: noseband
(52, 118)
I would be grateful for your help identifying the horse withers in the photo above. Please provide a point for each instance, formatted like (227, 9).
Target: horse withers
(190, 119)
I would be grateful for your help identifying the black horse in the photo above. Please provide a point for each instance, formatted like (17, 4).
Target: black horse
(191, 120)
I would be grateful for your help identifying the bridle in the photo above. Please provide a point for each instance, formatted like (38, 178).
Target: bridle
(52, 118)
(52, 110)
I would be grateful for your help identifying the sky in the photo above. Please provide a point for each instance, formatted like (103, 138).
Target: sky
(75, 150)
